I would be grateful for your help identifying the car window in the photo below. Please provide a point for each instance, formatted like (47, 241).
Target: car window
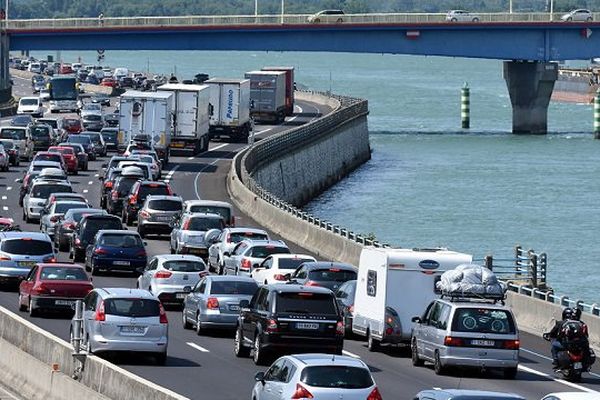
(184, 266)
(201, 286)
(306, 302)
(260, 300)
(125, 184)
(343, 377)
(222, 211)
(26, 246)
(90, 301)
(126, 241)
(15, 134)
(331, 275)
(61, 208)
(152, 265)
(291, 263)
(240, 249)
(483, 320)
(44, 191)
(92, 226)
(62, 273)
(265, 251)
(435, 314)
(135, 308)
(165, 205)
(273, 374)
(32, 273)
(301, 273)
(233, 287)
(203, 224)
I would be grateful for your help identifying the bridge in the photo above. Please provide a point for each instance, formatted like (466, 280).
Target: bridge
(529, 42)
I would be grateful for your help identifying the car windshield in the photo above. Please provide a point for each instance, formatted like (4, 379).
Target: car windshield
(134, 308)
(184, 266)
(120, 241)
(125, 184)
(39, 132)
(10, 133)
(203, 224)
(22, 120)
(265, 251)
(52, 122)
(306, 302)
(331, 275)
(483, 320)
(165, 205)
(109, 135)
(146, 159)
(63, 274)
(62, 208)
(291, 263)
(64, 151)
(233, 287)
(29, 102)
(334, 376)
(236, 237)
(222, 211)
(48, 157)
(95, 138)
(93, 117)
(92, 107)
(44, 191)
(27, 247)
(7, 145)
(80, 139)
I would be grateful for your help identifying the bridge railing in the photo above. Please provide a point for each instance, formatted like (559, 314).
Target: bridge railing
(288, 19)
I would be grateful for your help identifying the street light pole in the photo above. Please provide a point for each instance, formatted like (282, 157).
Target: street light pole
(551, 9)
(282, 9)
(255, 8)
(510, 9)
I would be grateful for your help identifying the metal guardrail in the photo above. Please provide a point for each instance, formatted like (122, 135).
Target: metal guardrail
(275, 19)
(527, 268)
(549, 296)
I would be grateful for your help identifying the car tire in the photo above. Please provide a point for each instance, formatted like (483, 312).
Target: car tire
(161, 358)
(510, 373)
(184, 321)
(340, 20)
(416, 361)
(475, 19)
(453, 20)
(372, 343)
(437, 364)
(239, 349)
(95, 271)
(32, 310)
(260, 355)
(22, 307)
(569, 19)
(141, 231)
(589, 19)
(198, 326)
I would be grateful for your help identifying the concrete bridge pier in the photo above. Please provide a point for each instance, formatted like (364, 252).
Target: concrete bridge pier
(530, 86)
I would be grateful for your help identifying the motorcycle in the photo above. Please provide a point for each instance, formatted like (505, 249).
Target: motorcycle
(576, 357)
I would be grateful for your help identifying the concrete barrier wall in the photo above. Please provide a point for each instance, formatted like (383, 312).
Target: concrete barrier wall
(27, 354)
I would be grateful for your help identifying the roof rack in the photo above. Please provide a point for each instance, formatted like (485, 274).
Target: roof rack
(470, 296)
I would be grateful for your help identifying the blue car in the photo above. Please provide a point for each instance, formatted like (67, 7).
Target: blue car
(116, 250)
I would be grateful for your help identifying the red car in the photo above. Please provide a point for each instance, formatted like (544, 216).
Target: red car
(65, 69)
(68, 155)
(72, 125)
(110, 82)
(53, 287)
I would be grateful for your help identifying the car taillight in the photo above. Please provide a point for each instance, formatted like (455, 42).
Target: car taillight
(339, 328)
(375, 395)
(77, 242)
(100, 315)
(144, 214)
(39, 288)
(133, 199)
(100, 251)
(246, 264)
(512, 344)
(212, 303)
(279, 277)
(163, 315)
(114, 195)
(272, 326)
(141, 253)
(162, 274)
(303, 393)
(4, 258)
(68, 225)
(108, 185)
(453, 341)
(54, 218)
(311, 283)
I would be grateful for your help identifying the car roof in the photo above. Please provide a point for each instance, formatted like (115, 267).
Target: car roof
(97, 211)
(291, 256)
(230, 278)
(51, 182)
(122, 232)
(215, 203)
(20, 235)
(125, 293)
(163, 197)
(314, 359)
(177, 257)
(242, 229)
(291, 288)
(68, 202)
(149, 182)
(102, 216)
(463, 394)
(262, 242)
(475, 303)
(329, 264)
(59, 264)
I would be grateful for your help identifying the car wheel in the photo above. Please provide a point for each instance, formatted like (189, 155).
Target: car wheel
(453, 20)
(372, 343)
(589, 19)
(27, 219)
(339, 20)
(199, 330)
(260, 356)
(141, 231)
(510, 373)
(184, 321)
(475, 19)
(32, 309)
(416, 361)
(22, 307)
(239, 348)
(437, 364)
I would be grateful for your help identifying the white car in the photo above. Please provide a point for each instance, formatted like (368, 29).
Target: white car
(45, 94)
(578, 15)
(227, 240)
(35, 199)
(275, 267)
(35, 67)
(91, 109)
(571, 396)
(316, 376)
(31, 105)
(4, 159)
(327, 16)
(461, 16)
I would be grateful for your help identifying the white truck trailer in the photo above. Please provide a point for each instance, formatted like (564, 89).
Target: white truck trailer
(230, 105)
(191, 105)
(394, 285)
(146, 114)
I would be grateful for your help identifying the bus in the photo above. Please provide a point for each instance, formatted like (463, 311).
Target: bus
(63, 93)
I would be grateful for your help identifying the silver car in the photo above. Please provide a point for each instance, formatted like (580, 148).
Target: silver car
(475, 334)
(50, 216)
(227, 240)
(35, 199)
(121, 319)
(188, 235)
(215, 302)
(170, 277)
(249, 254)
(465, 394)
(157, 214)
(578, 15)
(20, 251)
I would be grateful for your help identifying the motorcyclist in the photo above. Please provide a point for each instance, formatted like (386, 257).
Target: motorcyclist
(567, 329)
(554, 336)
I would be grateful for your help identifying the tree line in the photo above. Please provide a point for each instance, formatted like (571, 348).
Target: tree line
(33, 9)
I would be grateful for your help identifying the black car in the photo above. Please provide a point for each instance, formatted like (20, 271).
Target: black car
(108, 180)
(101, 98)
(289, 319)
(98, 140)
(86, 229)
(323, 273)
(345, 296)
(64, 227)
(137, 196)
(22, 120)
(11, 150)
(86, 142)
(111, 120)
(110, 136)
(119, 192)
(42, 136)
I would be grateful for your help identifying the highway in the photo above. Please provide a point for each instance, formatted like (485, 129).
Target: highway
(204, 367)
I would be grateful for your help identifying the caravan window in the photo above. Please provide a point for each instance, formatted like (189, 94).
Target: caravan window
(371, 283)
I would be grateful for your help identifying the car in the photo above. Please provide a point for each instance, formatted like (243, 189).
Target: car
(53, 287)
(122, 319)
(42, 136)
(34, 67)
(71, 125)
(53, 174)
(86, 143)
(318, 376)
(157, 214)
(110, 136)
(98, 141)
(101, 98)
(111, 120)
(21, 251)
(45, 94)
(26, 182)
(80, 154)
(72, 197)
(288, 319)
(578, 15)
(4, 159)
(223, 208)
(120, 250)
(109, 82)
(107, 184)
(227, 240)
(126, 82)
(114, 162)
(463, 333)
(327, 274)
(138, 153)
(92, 122)
(154, 165)
(63, 229)
(38, 86)
(85, 231)
(214, 302)
(461, 16)
(188, 235)
(39, 165)
(275, 267)
(345, 298)
(31, 105)
(22, 120)
(54, 123)
(68, 156)
(91, 108)
(50, 156)
(21, 137)
(92, 79)
(13, 151)
(248, 254)
(464, 394)
(121, 188)
(170, 277)
(327, 16)
(136, 197)
(50, 215)
(36, 197)
(135, 162)
(137, 145)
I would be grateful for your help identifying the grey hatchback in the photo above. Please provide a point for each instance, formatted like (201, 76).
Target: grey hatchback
(323, 273)
(158, 213)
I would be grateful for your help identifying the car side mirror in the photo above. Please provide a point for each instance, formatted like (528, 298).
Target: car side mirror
(255, 266)
(244, 303)
(260, 377)
(416, 319)
(100, 178)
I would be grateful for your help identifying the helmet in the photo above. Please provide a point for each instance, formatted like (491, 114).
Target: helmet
(577, 314)
(567, 313)
(573, 330)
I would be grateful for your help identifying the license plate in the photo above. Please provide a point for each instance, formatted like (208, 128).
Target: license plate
(27, 264)
(305, 325)
(177, 144)
(124, 263)
(197, 251)
(180, 295)
(234, 307)
(133, 329)
(164, 219)
(64, 302)
(487, 343)
(577, 365)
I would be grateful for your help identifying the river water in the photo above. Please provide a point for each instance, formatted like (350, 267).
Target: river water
(429, 182)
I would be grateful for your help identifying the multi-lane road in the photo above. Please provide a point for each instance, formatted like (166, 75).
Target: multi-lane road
(205, 366)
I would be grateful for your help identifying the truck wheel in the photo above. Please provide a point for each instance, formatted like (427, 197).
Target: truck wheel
(372, 343)
(206, 141)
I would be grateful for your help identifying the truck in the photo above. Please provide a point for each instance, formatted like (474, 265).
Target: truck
(149, 115)
(63, 93)
(230, 105)
(191, 105)
(290, 86)
(267, 95)
(394, 285)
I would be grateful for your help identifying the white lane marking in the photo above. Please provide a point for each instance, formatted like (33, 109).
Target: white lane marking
(85, 190)
(97, 175)
(190, 158)
(16, 179)
(90, 183)
(5, 208)
(550, 359)
(170, 174)
(558, 380)
(263, 131)
(218, 147)
(347, 353)
(202, 170)
(9, 188)
(197, 347)
(4, 197)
